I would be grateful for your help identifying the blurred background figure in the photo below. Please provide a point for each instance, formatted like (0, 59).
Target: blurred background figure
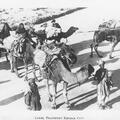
(5, 32)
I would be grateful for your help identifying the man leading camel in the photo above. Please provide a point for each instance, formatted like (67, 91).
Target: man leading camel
(103, 87)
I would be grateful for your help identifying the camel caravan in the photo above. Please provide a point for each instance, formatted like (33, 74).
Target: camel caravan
(53, 58)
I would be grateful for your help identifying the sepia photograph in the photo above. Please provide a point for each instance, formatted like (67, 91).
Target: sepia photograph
(59, 59)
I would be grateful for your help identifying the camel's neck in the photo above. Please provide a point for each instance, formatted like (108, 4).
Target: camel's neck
(69, 32)
(82, 76)
(30, 49)
(67, 76)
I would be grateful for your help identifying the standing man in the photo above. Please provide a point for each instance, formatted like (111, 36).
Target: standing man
(103, 85)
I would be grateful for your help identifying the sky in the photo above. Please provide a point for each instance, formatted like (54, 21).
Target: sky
(59, 3)
(40, 3)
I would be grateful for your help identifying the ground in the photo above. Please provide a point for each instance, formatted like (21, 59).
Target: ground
(82, 98)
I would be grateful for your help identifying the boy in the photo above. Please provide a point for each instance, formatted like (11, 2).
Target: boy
(32, 97)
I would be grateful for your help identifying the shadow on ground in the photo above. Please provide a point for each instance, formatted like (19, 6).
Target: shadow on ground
(1, 82)
(79, 98)
(76, 106)
(116, 83)
(4, 65)
(86, 44)
(85, 57)
(14, 98)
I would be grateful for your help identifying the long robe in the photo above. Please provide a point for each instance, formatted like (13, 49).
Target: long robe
(32, 97)
(103, 88)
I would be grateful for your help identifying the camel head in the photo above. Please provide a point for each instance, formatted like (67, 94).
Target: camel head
(74, 28)
(70, 31)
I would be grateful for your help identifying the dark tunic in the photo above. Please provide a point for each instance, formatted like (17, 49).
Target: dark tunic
(32, 98)
(100, 74)
(35, 98)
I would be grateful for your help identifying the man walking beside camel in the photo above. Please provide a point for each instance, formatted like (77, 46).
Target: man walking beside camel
(103, 85)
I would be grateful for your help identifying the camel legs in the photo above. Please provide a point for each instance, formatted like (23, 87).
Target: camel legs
(66, 40)
(6, 55)
(54, 88)
(26, 69)
(13, 64)
(40, 73)
(52, 97)
(65, 94)
(91, 46)
(0, 53)
(112, 49)
(48, 90)
(96, 50)
(33, 65)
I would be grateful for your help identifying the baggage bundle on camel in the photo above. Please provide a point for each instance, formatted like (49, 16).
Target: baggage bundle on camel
(52, 31)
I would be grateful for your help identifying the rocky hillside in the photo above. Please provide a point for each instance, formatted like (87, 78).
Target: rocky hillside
(34, 16)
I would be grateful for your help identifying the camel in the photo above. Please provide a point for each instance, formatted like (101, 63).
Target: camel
(57, 72)
(27, 53)
(111, 35)
(42, 35)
